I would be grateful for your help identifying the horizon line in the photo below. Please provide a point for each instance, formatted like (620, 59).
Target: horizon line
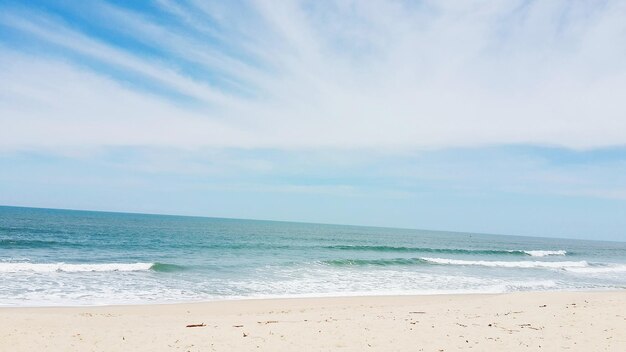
(300, 222)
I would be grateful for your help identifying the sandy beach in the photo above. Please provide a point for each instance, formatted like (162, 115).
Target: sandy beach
(529, 321)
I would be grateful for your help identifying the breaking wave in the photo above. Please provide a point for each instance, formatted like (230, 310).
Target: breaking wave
(444, 261)
(374, 262)
(502, 264)
(402, 249)
(544, 253)
(599, 269)
(77, 268)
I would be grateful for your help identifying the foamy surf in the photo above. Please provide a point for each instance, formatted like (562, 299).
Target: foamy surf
(539, 253)
(76, 258)
(599, 269)
(72, 268)
(517, 264)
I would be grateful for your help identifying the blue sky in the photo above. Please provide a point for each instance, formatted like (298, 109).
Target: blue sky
(484, 116)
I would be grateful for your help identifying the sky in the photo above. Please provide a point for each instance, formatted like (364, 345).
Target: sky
(502, 116)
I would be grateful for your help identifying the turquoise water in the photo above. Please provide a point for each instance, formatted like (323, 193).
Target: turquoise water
(62, 257)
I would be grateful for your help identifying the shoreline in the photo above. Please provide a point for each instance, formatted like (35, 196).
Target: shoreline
(576, 320)
(311, 297)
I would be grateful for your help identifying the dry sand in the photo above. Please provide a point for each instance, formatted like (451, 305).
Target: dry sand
(532, 321)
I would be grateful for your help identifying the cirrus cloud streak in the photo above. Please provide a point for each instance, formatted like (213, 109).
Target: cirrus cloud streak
(296, 75)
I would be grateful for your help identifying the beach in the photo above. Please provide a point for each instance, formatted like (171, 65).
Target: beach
(312, 176)
(522, 321)
(92, 281)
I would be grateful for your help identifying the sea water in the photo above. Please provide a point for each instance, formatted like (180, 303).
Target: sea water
(63, 257)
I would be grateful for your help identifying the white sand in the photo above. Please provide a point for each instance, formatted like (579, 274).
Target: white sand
(533, 321)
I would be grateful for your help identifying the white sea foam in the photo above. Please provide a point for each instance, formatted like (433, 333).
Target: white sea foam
(599, 269)
(517, 264)
(15, 260)
(545, 253)
(71, 268)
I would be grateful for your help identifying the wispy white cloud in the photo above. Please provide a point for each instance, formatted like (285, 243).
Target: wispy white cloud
(342, 74)
(58, 34)
(53, 105)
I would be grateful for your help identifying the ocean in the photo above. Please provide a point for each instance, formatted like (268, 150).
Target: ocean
(63, 257)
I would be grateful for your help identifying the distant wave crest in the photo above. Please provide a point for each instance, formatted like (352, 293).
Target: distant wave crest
(374, 262)
(74, 268)
(31, 243)
(517, 264)
(539, 253)
(402, 249)
(580, 267)
(444, 261)
(420, 249)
